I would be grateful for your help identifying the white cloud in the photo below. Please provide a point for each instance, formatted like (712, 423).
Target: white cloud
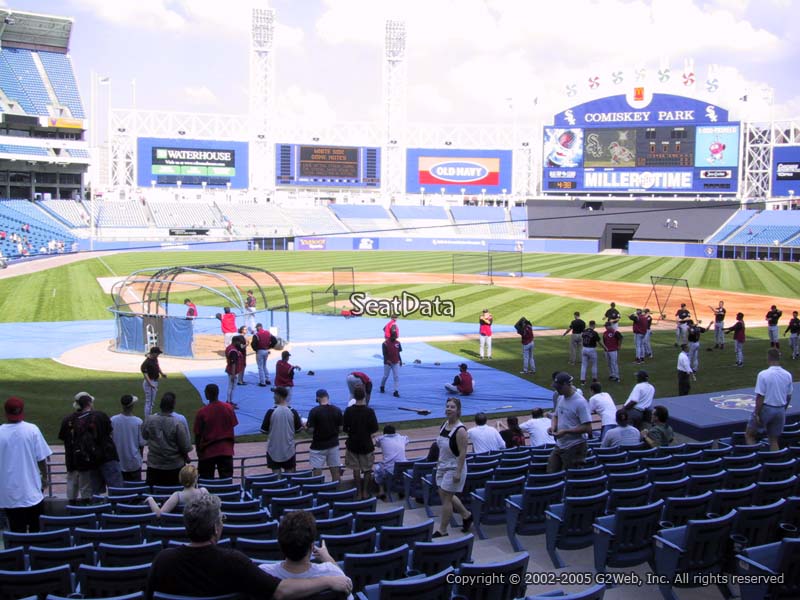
(294, 104)
(146, 14)
(428, 99)
(200, 95)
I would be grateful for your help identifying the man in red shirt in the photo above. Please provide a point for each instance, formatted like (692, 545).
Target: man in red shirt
(391, 364)
(191, 309)
(228, 325)
(357, 378)
(612, 342)
(485, 333)
(738, 338)
(262, 342)
(526, 337)
(214, 437)
(284, 373)
(462, 383)
(391, 328)
(235, 363)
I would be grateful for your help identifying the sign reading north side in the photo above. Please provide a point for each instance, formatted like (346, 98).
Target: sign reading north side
(642, 143)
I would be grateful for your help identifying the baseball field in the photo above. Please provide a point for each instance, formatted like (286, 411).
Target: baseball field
(563, 284)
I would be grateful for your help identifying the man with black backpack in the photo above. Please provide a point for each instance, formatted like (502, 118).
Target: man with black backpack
(525, 330)
(261, 343)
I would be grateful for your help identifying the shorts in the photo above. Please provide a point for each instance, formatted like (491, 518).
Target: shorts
(359, 462)
(445, 481)
(773, 418)
(287, 465)
(318, 459)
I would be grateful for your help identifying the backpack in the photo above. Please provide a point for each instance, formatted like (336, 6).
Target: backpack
(85, 451)
(254, 343)
(452, 439)
(520, 325)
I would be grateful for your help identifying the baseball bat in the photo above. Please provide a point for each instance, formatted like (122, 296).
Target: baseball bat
(419, 411)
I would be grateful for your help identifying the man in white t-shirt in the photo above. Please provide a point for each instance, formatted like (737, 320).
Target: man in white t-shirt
(601, 403)
(23, 469)
(640, 399)
(484, 438)
(393, 448)
(536, 427)
(127, 435)
(773, 396)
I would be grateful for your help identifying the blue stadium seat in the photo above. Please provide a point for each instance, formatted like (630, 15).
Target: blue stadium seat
(587, 472)
(392, 537)
(758, 525)
(487, 504)
(543, 479)
(412, 481)
(112, 521)
(389, 518)
(101, 582)
(320, 511)
(341, 525)
(432, 557)
(643, 453)
(259, 549)
(59, 538)
(508, 581)
(214, 481)
(372, 567)
(155, 533)
(724, 501)
(348, 495)
(699, 547)
(704, 467)
(433, 587)
(777, 471)
(298, 475)
(342, 508)
(677, 511)
(121, 536)
(170, 520)
(596, 592)
(12, 559)
(303, 481)
(740, 461)
(280, 504)
(667, 472)
(699, 484)
(741, 477)
(315, 488)
(610, 455)
(624, 539)
(525, 511)
(628, 466)
(130, 509)
(259, 531)
(95, 509)
(625, 497)
(20, 584)
(770, 491)
(618, 481)
(502, 473)
(268, 493)
(49, 523)
(568, 525)
(114, 555)
(781, 558)
(585, 487)
(73, 556)
(362, 542)
(240, 506)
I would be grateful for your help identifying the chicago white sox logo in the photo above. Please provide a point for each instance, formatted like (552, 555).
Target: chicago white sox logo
(569, 116)
(711, 113)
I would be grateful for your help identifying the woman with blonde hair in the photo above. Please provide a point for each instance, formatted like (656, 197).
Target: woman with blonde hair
(188, 478)
(451, 470)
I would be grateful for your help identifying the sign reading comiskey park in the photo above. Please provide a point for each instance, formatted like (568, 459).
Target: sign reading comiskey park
(458, 171)
(642, 143)
(192, 162)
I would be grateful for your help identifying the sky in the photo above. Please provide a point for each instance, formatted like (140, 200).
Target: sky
(468, 61)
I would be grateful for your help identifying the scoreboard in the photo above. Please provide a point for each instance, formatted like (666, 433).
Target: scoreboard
(598, 147)
(330, 166)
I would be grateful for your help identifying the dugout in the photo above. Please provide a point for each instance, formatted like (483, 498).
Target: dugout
(149, 307)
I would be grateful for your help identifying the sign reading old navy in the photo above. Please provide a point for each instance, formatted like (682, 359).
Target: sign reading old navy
(458, 171)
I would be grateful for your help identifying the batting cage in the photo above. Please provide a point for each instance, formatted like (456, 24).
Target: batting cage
(152, 307)
(669, 293)
(498, 261)
(336, 297)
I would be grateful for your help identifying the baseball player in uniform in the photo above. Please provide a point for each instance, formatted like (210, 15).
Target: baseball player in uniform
(739, 338)
(589, 341)
(793, 329)
(485, 331)
(648, 347)
(250, 312)
(575, 343)
(612, 342)
(694, 344)
(773, 316)
(719, 325)
(683, 317)
(639, 333)
(612, 316)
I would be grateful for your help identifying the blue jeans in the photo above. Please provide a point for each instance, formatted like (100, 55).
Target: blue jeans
(261, 362)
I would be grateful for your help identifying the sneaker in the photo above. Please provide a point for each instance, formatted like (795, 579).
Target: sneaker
(650, 355)
(438, 534)
(262, 385)
(594, 380)
(383, 390)
(583, 382)
(267, 382)
(466, 525)
(396, 394)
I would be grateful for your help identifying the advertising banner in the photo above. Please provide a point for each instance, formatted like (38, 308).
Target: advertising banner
(458, 171)
(786, 171)
(192, 162)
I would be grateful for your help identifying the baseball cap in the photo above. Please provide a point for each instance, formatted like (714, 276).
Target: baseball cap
(462, 366)
(642, 375)
(155, 350)
(322, 393)
(683, 304)
(15, 409)
(562, 378)
(285, 354)
(127, 400)
(80, 395)
(485, 310)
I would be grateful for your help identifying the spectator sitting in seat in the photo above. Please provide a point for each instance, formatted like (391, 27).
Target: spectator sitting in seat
(660, 434)
(188, 478)
(623, 434)
(296, 536)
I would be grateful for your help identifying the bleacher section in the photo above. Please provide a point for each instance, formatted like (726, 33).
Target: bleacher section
(765, 227)
(738, 219)
(59, 71)
(16, 216)
(20, 63)
(255, 219)
(18, 149)
(365, 218)
(482, 221)
(121, 214)
(519, 221)
(573, 219)
(423, 220)
(312, 220)
(184, 214)
(69, 212)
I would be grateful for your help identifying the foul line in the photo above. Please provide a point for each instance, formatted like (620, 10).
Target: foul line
(105, 264)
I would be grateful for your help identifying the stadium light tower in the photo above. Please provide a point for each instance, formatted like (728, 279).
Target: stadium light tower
(262, 99)
(394, 108)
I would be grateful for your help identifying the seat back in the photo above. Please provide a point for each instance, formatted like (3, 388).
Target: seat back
(759, 524)
(699, 484)
(626, 497)
(102, 582)
(20, 584)
(47, 558)
(392, 537)
(390, 518)
(496, 491)
(724, 501)
(341, 525)
(628, 466)
(280, 505)
(337, 496)
(130, 509)
(704, 467)
(502, 473)
(667, 472)
(586, 472)
(580, 513)
(154, 533)
(433, 557)
(59, 538)
(741, 477)
(740, 461)
(585, 487)
(433, 587)
(770, 491)
(259, 531)
(678, 511)
(791, 511)
(618, 481)
(267, 494)
(362, 542)
(223, 488)
(789, 565)
(543, 479)
(113, 555)
(635, 527)
(535, 501)
(475, 480)
(607, 456)
(315, 488)
(706, 543)
(83, 509)
(50, 523)
(12, 559)
(777, 471)
(366, 569)
(260, 549)
(342, 508)
(418, 471)
(670, 489)
(502, 586)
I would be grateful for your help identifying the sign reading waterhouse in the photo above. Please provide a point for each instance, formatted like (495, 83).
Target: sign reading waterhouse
(642, 142)
(192, 162)
(473, 171)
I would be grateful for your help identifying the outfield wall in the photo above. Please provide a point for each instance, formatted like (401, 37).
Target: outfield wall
(677, 249)
(189, 244)
(445, 244)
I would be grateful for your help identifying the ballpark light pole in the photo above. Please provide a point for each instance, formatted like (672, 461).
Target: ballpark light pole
(395, 83)
(262, 100)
